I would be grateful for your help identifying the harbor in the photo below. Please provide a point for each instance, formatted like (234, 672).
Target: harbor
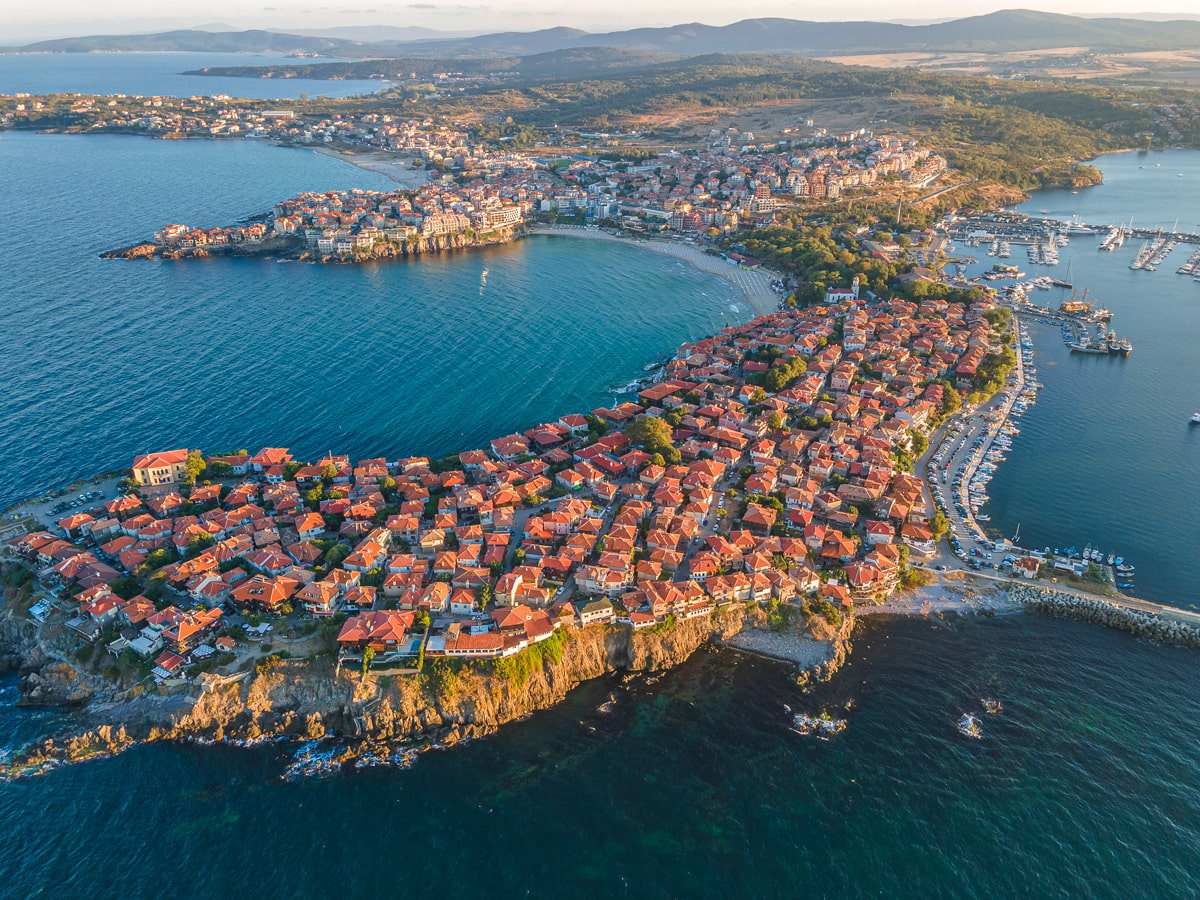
(1046, 237)
(968, 455)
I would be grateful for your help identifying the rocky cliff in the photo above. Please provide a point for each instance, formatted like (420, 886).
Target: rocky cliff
(294, 247)
(449, 701)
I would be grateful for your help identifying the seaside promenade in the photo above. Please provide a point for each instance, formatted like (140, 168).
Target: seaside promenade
(753, 284)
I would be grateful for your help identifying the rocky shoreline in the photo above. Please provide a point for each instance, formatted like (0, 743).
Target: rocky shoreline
(1097, 611)
(380, 718)
(311, 700)
(295, 248)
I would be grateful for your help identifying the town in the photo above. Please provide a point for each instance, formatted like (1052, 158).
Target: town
(769, 464)
(730, 184)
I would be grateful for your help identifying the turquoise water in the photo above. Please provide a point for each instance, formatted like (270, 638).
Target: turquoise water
(159, 74)
(1085, 786)
(105, 359)
(1107, 456)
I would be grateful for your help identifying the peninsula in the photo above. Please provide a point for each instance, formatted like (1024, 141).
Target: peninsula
(763, 486)
(763, 481)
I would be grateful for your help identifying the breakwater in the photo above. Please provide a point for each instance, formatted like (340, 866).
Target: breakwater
(1161, 627)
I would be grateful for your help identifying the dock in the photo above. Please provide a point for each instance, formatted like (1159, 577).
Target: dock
(1192, 266)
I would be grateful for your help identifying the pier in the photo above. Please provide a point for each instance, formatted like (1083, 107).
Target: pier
(1192, 266)
(1045, 236)
(975, 454)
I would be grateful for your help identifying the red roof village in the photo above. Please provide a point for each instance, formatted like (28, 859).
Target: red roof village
(705, 490)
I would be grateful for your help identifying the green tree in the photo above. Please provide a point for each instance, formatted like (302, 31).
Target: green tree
(198, 545)
(939, 525)
(193, 467)
(649, 433)
(484, 595)
(368, 655)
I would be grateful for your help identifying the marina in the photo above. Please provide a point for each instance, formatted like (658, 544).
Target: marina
(1045, 237)
(971, 454)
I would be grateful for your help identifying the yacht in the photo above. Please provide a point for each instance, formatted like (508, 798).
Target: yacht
(1195, 420)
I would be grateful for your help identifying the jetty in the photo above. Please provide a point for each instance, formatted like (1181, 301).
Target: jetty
(1114, 239)
(1152, 621)
(1192, 266)
(1046, 235)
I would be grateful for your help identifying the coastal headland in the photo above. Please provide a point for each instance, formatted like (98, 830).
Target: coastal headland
(293, 247)
(240, 597)
(755, 285)
(761, 490)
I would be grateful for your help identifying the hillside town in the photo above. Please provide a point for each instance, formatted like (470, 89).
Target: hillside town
(768, 464)
(732, 183)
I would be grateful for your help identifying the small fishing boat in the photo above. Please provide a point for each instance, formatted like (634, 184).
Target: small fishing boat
(968, 726)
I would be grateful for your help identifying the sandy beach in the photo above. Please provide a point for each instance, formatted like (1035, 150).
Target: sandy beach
(754, 286)
(389, 165)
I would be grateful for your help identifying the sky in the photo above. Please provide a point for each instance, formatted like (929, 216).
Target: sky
(62, 18)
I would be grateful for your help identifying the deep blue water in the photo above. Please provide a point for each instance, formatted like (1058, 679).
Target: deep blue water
(159, 74)
(104, 359)
(1085, 786)
(1107, 456)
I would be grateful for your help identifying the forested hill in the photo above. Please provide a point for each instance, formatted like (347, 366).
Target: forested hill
(1000, 31)
(1006, 30)
(1023, 134)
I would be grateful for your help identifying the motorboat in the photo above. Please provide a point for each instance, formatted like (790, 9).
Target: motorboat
(968, 726)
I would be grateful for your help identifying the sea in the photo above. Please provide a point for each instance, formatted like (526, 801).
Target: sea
(1107, 456)
(692, 785)
(161, 74)
(105, 359)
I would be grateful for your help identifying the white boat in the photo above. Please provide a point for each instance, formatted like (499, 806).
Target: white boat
(968, 726)
(1195, 420)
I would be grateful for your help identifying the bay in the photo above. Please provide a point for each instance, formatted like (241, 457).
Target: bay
(104, 359)
(161, 74)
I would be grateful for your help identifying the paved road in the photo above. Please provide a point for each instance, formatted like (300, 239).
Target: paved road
(940, 191)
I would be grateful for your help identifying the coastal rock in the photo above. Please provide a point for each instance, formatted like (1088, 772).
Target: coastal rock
(451, 701)
(293, 247)
(1096, 610)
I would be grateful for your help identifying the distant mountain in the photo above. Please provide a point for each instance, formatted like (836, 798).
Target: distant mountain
(999, 31)
(1006, 30)
(195, 41)
(370, 34)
